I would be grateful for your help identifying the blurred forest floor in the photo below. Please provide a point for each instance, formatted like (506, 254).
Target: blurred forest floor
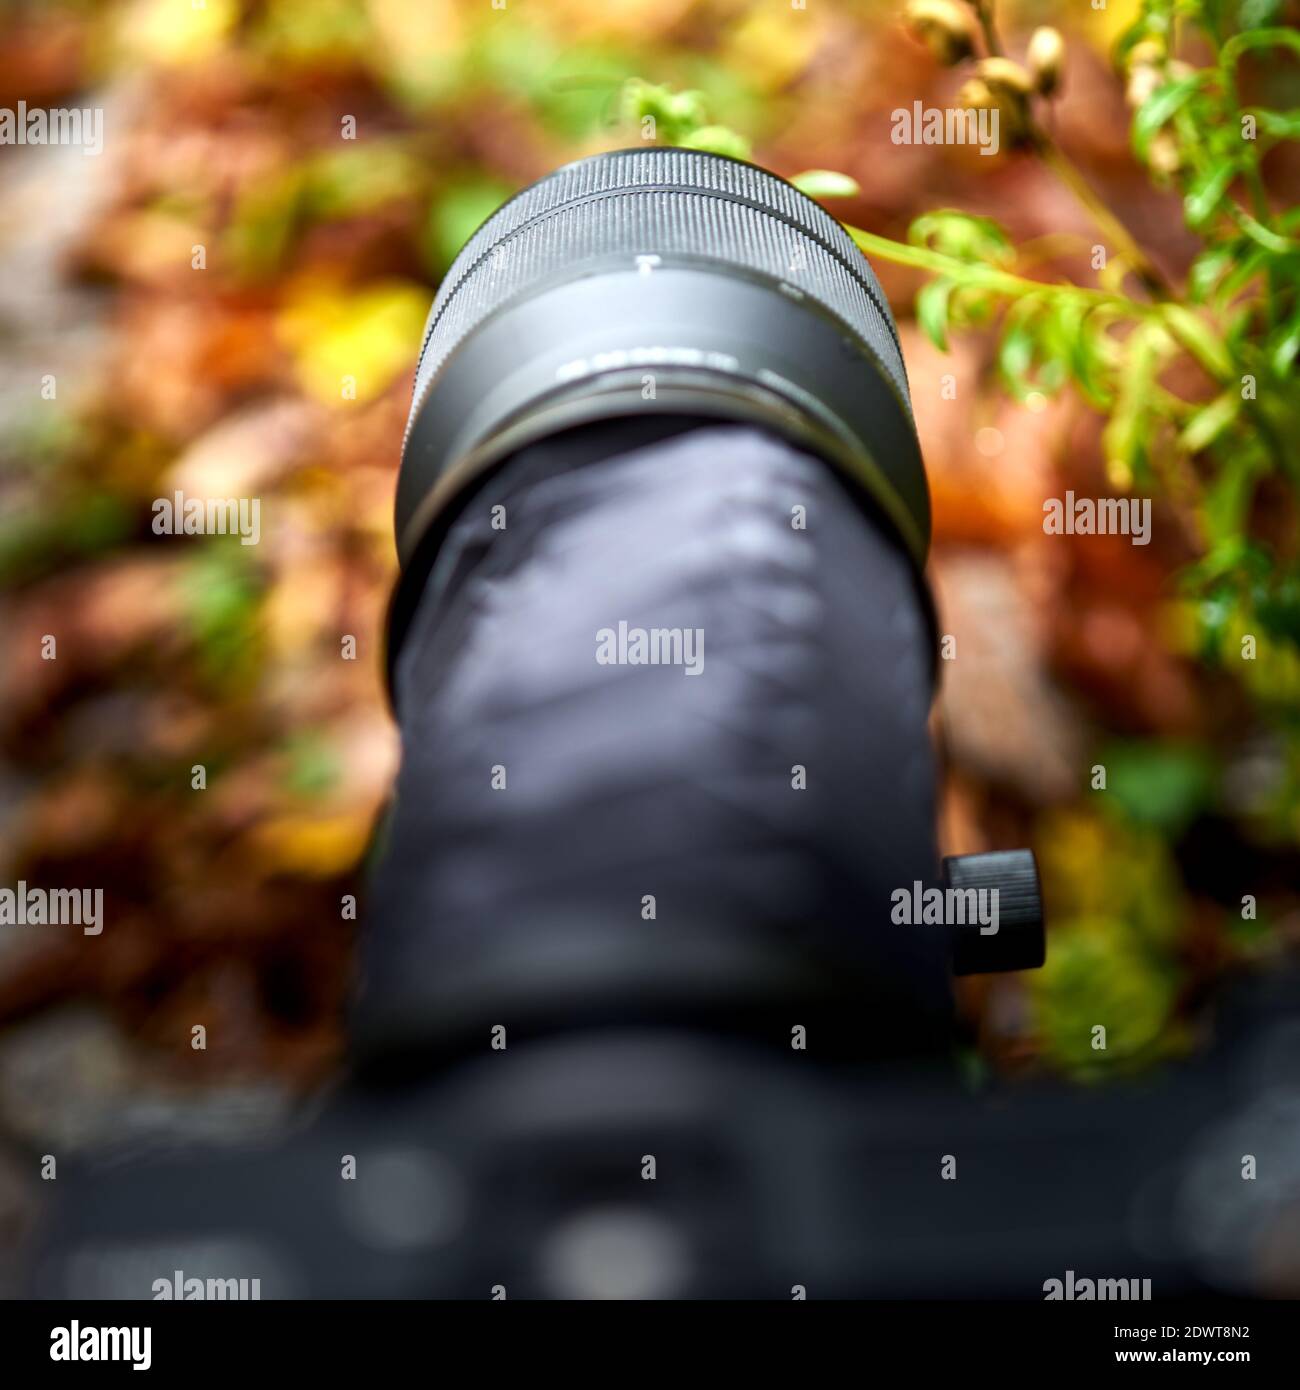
(224, 129)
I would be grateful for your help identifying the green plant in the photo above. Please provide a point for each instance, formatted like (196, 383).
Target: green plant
(1224, 452)
(1196, 382)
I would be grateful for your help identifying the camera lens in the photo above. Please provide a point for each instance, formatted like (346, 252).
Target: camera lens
(655, 280)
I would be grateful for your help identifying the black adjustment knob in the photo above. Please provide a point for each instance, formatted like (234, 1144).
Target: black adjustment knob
(1019, 941)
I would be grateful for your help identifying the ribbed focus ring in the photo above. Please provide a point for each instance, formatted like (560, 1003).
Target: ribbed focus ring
(664, 202)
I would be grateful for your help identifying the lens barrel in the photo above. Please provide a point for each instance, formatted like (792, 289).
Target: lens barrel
(655, 280)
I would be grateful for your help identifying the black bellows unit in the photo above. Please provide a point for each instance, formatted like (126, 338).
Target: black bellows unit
(660, 398)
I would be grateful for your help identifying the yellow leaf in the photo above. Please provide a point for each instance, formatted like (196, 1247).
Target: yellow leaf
(349, 345)
(312, 847)
(175, 31)
(773, 45)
